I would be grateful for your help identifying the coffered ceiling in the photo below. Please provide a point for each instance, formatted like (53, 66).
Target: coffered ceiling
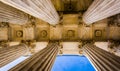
(70, 27)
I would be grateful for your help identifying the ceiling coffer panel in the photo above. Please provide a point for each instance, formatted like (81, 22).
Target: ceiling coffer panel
(42, 9)
(101, 9)
(12, 15)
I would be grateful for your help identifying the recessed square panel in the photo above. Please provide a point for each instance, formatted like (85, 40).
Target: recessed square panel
(19, 33)
(98, 33)
(43, 33)
(70, 33)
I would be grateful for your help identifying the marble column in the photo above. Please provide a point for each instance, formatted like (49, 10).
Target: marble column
(101, 9)
(12, 15)
(40, 61)
(11, 53)
(101, 59)
(42, 9)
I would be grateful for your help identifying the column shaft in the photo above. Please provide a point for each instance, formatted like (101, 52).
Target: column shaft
(101, 9)
(11, 53)
(12, 15)
(42, 9)
(101, 59)
(41, 61)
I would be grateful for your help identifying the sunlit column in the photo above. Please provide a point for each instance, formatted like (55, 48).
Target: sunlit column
(11, 53)
(41, 61)
(42, 9)
(101, 9)
(12, 15)
(101, 59)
